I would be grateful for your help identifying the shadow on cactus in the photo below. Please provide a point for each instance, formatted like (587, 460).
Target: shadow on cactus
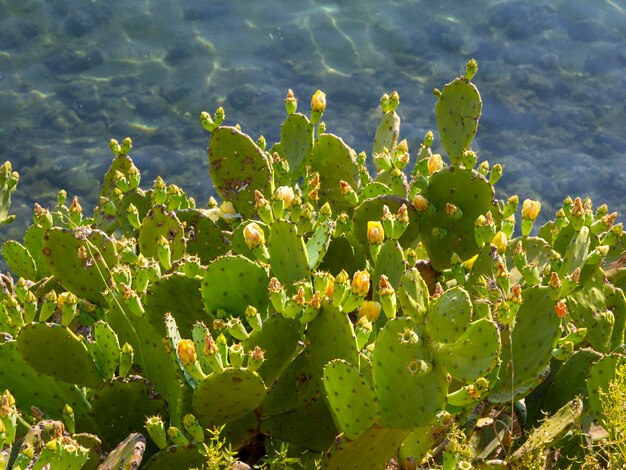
(334, 310)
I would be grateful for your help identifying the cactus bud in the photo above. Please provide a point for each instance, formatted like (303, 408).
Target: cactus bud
(362, 330)
(422, 204)
(253, 235)
(212, 354)
(48, 306)
(127, 145)
(255, 359)
(318, 102)
(394, 101)
(321, 128)
(61, 197)
(219, 116)
(68, 419)
(291, 103)
(471, 68)
(370, 310)
(387, 297)
(235, 355)
(530, 211)
(262, 207)
(453, 211)
(560, 309)
(253, 318)
(469, 159)
(418, 367)
(127, 355)
(186, 352)
(312, 309)
(361, 283)
(341, 287)
(115, 147)
(375, 233)
(236, 329)
(385, 104)
(164, 253)
(500, 241)
(67, 302)
(348, 193)
(278, 297)
(159, 191)
(193, 428)
(435, 163)
(261, 143)
(42, 217)
(496, 174)
(75, 211)
(177, 437)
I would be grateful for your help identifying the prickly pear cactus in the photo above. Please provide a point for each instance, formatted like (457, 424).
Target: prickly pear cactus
(459, 196)
(458, 110)
(296, 139)
(238, 168)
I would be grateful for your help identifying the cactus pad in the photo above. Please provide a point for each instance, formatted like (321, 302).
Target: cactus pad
(351, 399)
(161, 223)
(449, 315)
(232, 283)
(334, 161)
(371, 450)
(19, 260)
(105, 349)
(600, 376)
(413, 294)
(224, 397)
(397, 380)
(474, 353)
(54, 350)
(387, 132)
(205, 238)
(457, 112)
(296, 139)
(289, 261)
(127, 455)
(536, 332)
(176, 457)
(317, 244)
(473, 195)
(238, 168)
(80, 259)
(178, 295)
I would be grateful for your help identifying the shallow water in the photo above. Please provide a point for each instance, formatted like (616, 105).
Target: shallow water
(74, 74)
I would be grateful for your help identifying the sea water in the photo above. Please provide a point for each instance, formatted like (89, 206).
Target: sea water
(74, 74)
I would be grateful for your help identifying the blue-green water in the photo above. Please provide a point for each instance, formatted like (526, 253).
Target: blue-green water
(74, 73)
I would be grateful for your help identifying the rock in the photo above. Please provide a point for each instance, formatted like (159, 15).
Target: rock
(66, 60)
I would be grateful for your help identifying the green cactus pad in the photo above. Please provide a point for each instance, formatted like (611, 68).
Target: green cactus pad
(343, 252)
(351, 399)
(294, 426)
(375, 189)
(538, 253)
(449, 315)
(329, 336)
(372, 209)
(413, 294)
(105, 349)
(142, 200)
(457, 112)
(387, 133)
(616, 303)
(474, 353)
(232, 283)
(334, 161)
(121, 163)
(224, 397)
(317, 244)
(178, 295)
(390, 262)
(33, 241)
(600, 376)
(417, 444)
(80, 259)
(536, 332)
(155, 360)
(396, 382)
(296, 139)
(19, 260)
(54, 350)
(127, 455)
(205, 238)
(176, 457)
(289, 261)
(570, 380)
(50, 394)
(371, 450)
(121, 407)
(576, 252)
(238, 168)
(473, 195)
(587, 308)
(161, 223)
(279, 339)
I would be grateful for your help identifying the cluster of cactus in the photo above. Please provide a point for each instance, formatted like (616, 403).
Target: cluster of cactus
(356, 317)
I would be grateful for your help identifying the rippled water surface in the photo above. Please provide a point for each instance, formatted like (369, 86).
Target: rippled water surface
(74, 73)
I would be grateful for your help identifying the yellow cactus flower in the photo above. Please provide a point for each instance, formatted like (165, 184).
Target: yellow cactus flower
(500, 241)
(286, 194)
(370, 310)
(227, 210)
(318, 102)
(186, 352)
(435, 163)
(361, 283)
(420, 203)
(530, 209)
(253, 235)
(375, 233)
